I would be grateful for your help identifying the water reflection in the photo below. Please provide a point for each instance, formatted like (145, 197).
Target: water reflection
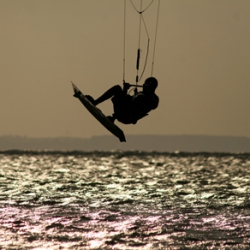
(114, 200)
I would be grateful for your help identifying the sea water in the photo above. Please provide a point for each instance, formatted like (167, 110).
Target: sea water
(124, 200)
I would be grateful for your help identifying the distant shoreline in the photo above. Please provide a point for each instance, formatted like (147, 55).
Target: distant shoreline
(164, 143)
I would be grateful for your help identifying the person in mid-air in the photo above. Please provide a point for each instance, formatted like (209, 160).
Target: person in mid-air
(129, 109)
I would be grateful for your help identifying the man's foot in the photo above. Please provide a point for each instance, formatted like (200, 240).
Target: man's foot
(111, 118)
(91, 99)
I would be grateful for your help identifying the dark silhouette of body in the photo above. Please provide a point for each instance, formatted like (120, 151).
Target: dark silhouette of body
(129, 109)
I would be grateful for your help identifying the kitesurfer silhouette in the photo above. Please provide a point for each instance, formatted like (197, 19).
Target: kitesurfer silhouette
(129, 109)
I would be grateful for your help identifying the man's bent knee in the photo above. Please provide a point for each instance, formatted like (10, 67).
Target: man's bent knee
(117, 89)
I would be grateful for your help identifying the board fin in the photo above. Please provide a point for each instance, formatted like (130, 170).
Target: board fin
(77, 92)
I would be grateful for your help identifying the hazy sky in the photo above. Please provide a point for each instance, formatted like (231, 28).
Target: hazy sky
(202, 62)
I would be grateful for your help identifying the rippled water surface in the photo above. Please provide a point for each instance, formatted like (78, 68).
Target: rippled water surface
(124, 200)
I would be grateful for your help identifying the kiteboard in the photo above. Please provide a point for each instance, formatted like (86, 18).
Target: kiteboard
(97, 113)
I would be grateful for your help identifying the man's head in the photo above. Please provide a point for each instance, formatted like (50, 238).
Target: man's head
(150, 85)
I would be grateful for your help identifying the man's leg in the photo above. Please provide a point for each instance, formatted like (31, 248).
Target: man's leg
(113, 91)
(121, 105)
